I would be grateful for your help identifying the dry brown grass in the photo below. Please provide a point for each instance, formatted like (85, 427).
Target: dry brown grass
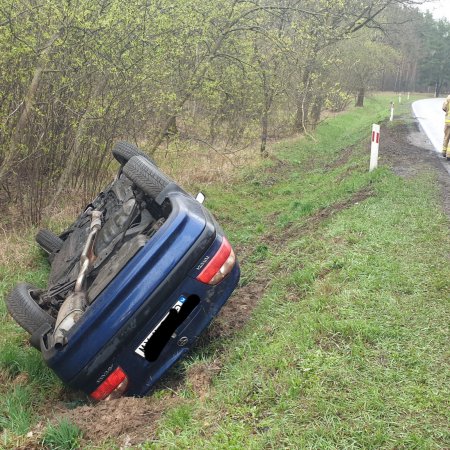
(58, 216)
(17, 244)
(16, 251)
(192, 166)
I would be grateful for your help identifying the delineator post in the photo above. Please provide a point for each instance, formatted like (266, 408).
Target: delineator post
(374, 147)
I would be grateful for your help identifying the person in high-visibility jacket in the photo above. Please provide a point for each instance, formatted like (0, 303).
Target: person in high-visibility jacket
(445, 147)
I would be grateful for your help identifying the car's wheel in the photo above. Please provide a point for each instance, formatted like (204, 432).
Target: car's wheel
(25, 311)
(146, 176)
(124, 151)
(49, 241)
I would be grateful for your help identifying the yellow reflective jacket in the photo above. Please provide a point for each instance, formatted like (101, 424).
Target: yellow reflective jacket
(446, 108)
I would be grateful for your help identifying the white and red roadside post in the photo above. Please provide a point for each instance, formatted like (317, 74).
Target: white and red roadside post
(392, 112)
(374, 147)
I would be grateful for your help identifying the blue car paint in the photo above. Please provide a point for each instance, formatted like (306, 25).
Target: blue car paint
(192, 330)
(144, 374)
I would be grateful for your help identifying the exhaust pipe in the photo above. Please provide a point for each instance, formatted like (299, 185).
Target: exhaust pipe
(70, 312)
(87, 256)
(74, 305)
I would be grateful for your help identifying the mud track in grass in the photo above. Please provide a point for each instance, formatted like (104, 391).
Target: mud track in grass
(407, 150)
(130, 421)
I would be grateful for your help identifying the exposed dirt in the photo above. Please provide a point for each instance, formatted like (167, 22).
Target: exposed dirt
(408, 151)
(125, 421)
(236, 312)
(343, 157)
(313, 221)
(405, 150)
(200, 377)
(130, 421)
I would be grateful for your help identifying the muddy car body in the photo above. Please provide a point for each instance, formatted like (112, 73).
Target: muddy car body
(133, 282)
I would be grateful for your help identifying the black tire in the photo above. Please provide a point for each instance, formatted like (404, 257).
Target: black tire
(25, 311)
(124, 151)
(146, 176)
(49, 241)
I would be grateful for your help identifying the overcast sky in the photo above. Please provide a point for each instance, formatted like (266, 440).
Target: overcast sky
(439, 8)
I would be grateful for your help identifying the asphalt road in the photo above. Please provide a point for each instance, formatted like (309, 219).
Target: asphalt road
(431, 117)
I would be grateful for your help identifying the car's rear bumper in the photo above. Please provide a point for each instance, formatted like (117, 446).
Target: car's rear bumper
(143, 374)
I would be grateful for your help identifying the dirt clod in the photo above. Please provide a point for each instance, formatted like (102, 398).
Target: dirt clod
(237, 310)
(200, 377)
(126, 419)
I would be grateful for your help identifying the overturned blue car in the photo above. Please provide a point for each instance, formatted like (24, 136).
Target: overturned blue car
(133, 282)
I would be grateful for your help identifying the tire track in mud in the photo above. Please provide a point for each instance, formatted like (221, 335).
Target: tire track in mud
(312, 222)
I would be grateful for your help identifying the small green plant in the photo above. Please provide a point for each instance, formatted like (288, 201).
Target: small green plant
(15, 410)
(179, 417)
(63, 435)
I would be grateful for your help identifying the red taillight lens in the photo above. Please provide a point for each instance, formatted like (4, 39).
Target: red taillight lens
(116, 383)
(220, 265)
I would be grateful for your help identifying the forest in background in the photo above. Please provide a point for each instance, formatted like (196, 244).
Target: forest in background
(76, 76)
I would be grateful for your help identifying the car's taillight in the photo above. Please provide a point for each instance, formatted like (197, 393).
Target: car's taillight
(114, 386)
(220, 266)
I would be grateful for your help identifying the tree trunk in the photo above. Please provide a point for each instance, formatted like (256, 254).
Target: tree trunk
(303, 104)
(80, 133)
(268, 98)
(29, 101)
(170, 129)
(264, 125)
(414, 77)
(401, 83)
(396, 85)
(360, 97)
(438, 87)
(316, 111)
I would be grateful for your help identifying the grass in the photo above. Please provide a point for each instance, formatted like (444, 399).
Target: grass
(26, 382)
(348, 347)
(62, 436)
